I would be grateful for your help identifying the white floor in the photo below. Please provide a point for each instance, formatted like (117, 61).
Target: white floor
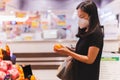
(45, 74)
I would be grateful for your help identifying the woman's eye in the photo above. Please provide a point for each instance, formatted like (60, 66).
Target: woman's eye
(81, 16)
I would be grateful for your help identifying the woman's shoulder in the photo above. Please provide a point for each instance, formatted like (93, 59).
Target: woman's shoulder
(96, 33)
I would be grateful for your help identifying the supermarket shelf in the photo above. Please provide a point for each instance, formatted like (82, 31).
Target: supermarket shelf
(45, 59)
(40, 60)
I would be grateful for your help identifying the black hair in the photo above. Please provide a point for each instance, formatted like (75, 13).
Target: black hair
(90, 8)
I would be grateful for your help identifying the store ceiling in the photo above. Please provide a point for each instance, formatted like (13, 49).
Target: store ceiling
(102, 3)
(58, 6)
(55, 4)
(43, 5)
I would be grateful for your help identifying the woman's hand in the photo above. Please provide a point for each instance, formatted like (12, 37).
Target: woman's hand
(61, 49)
(64, 51)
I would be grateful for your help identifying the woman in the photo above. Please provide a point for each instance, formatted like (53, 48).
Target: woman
(86, 58)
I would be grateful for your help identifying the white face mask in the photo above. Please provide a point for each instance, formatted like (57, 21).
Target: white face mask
(83, 23)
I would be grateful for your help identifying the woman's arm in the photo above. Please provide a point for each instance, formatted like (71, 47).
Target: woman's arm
(89, 59)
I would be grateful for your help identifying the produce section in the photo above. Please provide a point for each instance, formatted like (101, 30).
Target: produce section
(9, 70)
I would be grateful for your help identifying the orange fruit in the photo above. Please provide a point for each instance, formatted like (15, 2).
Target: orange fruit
(7, 49)
(1, 55)
(32, 77)
(26, 79)
(57, 46)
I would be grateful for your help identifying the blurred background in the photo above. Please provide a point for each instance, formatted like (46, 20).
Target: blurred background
(32, 27)
(26, 19)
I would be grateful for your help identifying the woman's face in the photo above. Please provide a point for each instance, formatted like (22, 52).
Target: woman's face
(83, 19)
